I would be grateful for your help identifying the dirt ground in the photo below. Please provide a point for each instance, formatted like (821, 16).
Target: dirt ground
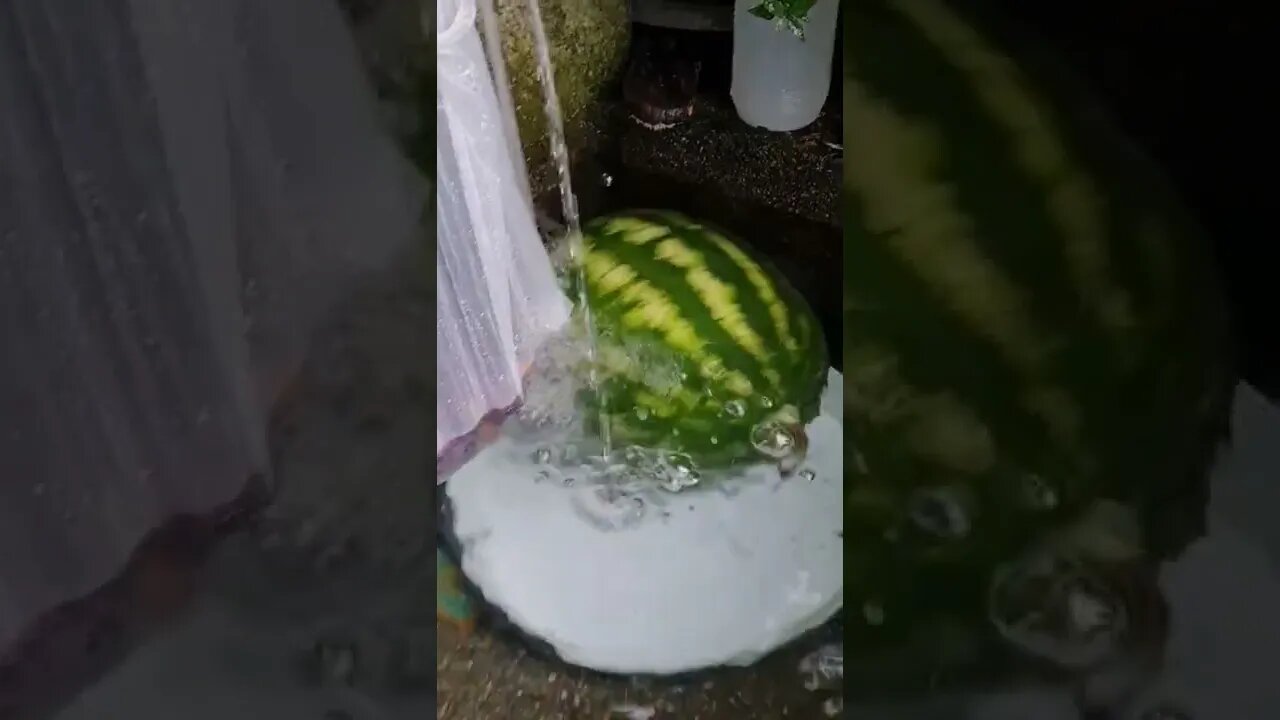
(488, 676)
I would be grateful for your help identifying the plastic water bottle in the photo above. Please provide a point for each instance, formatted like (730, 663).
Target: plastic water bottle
(780, 82)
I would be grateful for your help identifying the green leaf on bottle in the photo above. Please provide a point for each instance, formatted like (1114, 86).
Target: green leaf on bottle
(789, 14)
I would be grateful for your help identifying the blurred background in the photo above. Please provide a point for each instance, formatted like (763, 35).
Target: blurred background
(1187, 81)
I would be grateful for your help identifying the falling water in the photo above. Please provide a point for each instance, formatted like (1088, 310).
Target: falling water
(569, 207)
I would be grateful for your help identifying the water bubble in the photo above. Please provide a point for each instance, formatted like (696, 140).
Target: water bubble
(833, 706)
(766, 402)
(542, 456)
(680, 461)
(715, 440)
(606, 179)
(642, 413)
(735, 409)
(677, 472)
(1056, 608)
(873, 613)
(773, 440)
(940, 512)
(808, 475)
(1039, 493)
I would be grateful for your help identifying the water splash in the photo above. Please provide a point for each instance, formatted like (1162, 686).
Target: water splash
(609, 507)
(824, 668)
(569, 208)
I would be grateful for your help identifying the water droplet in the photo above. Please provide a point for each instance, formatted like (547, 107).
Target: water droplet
(735, 409)
(642, 412)
(715, 440)
(1039, 493)
(833, 706)
(542, 455)
(940, 512)
(808, 475)
(773, 440)
(766, 402)
(873, 613)
(606, 179)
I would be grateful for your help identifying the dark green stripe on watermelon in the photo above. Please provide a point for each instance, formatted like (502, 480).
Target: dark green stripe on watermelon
(803, 368)
(670, 281)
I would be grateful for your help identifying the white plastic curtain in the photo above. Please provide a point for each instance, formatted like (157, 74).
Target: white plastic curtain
(186, 187)
(497, 297)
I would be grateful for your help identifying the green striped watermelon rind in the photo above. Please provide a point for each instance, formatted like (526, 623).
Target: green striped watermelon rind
(1140, 359)
(720, 327)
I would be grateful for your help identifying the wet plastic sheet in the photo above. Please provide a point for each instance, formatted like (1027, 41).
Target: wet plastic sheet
(497, 297)
(185, 187)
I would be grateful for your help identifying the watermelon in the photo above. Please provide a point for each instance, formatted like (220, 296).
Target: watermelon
(703, 349)
(1034, 338)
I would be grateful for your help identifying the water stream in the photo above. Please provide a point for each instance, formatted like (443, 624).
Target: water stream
(569, 208)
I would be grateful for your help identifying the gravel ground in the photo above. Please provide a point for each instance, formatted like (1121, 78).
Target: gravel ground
(797, 172)
(491, 677)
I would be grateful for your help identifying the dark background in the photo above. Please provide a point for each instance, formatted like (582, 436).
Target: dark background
(1190, 83)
